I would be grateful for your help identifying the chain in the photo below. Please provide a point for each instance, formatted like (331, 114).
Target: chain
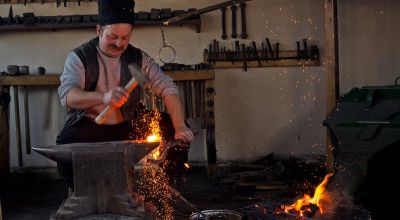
(164, 44)
(165, 48)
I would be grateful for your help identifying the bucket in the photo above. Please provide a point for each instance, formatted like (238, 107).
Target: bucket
(216, 215)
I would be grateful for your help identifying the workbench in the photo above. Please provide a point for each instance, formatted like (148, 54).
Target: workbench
(54, 80)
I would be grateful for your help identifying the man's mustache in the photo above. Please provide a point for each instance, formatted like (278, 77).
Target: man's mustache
(114, 47)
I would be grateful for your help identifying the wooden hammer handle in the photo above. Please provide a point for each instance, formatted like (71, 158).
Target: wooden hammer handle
(109, 110)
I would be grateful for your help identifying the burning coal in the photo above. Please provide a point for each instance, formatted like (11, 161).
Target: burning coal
(307, 205)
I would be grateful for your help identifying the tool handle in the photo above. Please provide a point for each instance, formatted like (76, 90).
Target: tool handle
(107, 112)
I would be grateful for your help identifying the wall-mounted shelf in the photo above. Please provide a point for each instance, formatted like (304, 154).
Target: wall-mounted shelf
(54, 79)
(233, 59)
(75, 21)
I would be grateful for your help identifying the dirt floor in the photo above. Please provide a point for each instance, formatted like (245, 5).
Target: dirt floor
(31, 194)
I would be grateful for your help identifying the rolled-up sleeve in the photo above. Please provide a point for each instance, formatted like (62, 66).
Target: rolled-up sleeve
(71, 76)
(160, 83)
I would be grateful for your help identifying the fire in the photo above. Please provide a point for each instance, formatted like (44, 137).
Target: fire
(153, 138)
(302, 205)
(156, 154)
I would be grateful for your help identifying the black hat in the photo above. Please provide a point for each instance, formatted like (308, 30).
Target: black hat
(116, 11)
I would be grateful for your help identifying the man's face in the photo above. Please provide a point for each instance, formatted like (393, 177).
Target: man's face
(114, 38)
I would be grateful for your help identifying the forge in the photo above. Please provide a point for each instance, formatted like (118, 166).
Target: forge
(102, 179)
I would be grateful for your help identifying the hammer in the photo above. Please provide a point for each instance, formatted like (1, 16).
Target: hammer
(137, 78)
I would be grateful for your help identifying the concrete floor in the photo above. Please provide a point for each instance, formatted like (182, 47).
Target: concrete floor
(34, 194)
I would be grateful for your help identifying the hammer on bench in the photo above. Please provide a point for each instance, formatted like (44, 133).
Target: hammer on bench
(138, 78)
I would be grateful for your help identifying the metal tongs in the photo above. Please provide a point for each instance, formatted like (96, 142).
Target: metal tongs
(163, 149)
(178, 195)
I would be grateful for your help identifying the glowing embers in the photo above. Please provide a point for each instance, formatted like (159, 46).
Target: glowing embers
(308, 205)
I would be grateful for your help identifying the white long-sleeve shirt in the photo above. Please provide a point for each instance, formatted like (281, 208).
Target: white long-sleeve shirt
(73, 75)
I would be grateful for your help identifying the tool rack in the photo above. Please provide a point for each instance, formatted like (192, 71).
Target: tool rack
(54, 80)
(76, 21)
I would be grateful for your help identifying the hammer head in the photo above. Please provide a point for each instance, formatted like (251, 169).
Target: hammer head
(136, 72)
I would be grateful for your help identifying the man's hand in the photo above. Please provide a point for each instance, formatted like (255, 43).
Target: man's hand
(116, 97)
(184, 133)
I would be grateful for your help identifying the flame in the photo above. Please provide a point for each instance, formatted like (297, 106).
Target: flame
(302, 205)
(153, 138)
(186, 165)
(156, 154)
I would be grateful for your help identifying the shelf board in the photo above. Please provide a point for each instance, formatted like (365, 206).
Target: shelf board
(286, 58)
(30, 80)
(67, 23)
(54, 79)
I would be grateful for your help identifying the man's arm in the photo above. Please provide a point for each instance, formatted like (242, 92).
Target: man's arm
(175, 110)
(78, 98)
(73, 95)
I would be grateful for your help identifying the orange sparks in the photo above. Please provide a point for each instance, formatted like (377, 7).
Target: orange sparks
(186, 165)
(154, 125)
(302, 205)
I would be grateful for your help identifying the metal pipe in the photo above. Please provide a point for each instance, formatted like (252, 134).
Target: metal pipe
(203, 10)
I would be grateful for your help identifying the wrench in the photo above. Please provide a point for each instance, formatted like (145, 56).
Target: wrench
(223, 11)
(243, 17)
(233, 9)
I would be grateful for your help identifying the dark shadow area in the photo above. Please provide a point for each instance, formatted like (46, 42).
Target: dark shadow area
(32, 194)
(380, 186)
(254, 189)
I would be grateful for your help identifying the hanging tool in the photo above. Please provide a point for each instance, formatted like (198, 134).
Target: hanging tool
(277, 50)
(237, 53)
(314, 53)
(223, 15)
(243, 35)
(10, 16)
(256, 53)
(264, 52)
(234, 32)
(137, 78)
(210, 53)
(58, 3)
(244, 58)
(27, 133)
(270, 48)
(17, 126)
(202, 11)
(305, 52)
(65, 3)
(298, 50)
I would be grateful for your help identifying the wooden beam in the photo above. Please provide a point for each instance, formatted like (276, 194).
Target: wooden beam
(30, 80)
(191, 75)
(331, 68)
(54, 79)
